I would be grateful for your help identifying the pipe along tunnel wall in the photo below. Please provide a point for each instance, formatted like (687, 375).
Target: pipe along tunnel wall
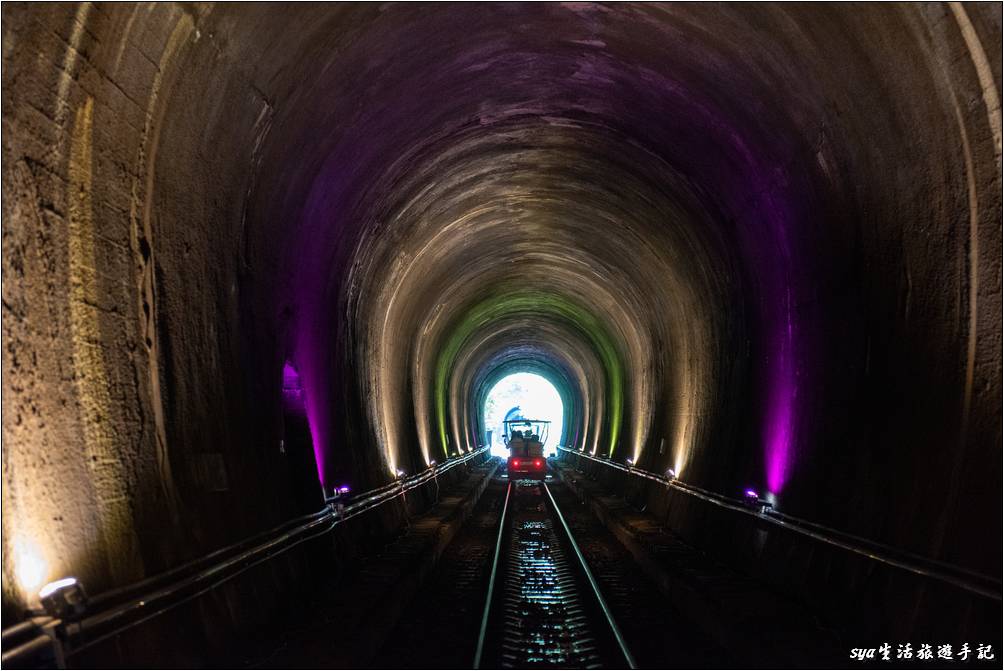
(760, 245)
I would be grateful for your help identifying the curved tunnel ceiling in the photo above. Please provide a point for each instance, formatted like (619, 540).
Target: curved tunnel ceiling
(756, 244)
(569, 364)
(511, 219)
(582, 162)
(569, 187)
(661, 186)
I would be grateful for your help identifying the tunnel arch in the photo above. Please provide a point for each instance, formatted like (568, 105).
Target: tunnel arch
(569, 357)
(619, 316)
(554, 374)
(794, 262)
(540, 313)
(545, 392)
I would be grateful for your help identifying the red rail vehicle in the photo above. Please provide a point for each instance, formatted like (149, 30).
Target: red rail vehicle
(525, 440)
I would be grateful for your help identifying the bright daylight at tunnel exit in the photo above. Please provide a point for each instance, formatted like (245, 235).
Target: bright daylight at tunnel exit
(523, 402)
(502, 335)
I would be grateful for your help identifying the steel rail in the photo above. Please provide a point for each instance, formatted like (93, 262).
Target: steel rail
(483, 633)
(621, 643)
(966, 579)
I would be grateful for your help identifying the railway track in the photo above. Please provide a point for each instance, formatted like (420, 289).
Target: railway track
(543, 606)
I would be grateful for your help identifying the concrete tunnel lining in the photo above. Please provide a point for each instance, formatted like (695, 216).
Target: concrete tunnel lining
(797, 265)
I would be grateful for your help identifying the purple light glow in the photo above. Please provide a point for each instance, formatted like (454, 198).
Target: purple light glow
(780, 403)
(780, 278)
(751, 494)
(758, 189)
(292, 391)
(344, 489)
(313, 390)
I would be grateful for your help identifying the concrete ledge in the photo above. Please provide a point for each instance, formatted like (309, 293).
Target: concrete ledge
(867, 602)
(736, 611)
(366, 604)
(267, 615)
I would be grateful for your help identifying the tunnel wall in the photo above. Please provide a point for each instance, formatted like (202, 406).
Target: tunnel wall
(195, 195)
(129, 332)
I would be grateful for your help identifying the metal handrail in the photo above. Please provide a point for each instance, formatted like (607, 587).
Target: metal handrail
(961, 577)
(126, 607)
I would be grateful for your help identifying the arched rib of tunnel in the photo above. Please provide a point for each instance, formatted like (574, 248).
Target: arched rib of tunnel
(759, 246)
(568, 377)
(504, 242)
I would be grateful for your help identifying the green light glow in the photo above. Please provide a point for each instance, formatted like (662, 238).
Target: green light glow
(544, 307)
(544, 369)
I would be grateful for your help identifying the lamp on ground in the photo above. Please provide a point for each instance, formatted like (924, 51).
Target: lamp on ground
(753, 500)
(64, 598)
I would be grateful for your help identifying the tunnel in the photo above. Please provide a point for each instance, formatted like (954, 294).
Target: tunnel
(263, 264)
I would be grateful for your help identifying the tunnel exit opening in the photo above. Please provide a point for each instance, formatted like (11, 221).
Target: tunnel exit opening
(522, 395)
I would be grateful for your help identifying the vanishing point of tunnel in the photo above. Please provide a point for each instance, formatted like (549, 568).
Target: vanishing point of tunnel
(279, 280)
